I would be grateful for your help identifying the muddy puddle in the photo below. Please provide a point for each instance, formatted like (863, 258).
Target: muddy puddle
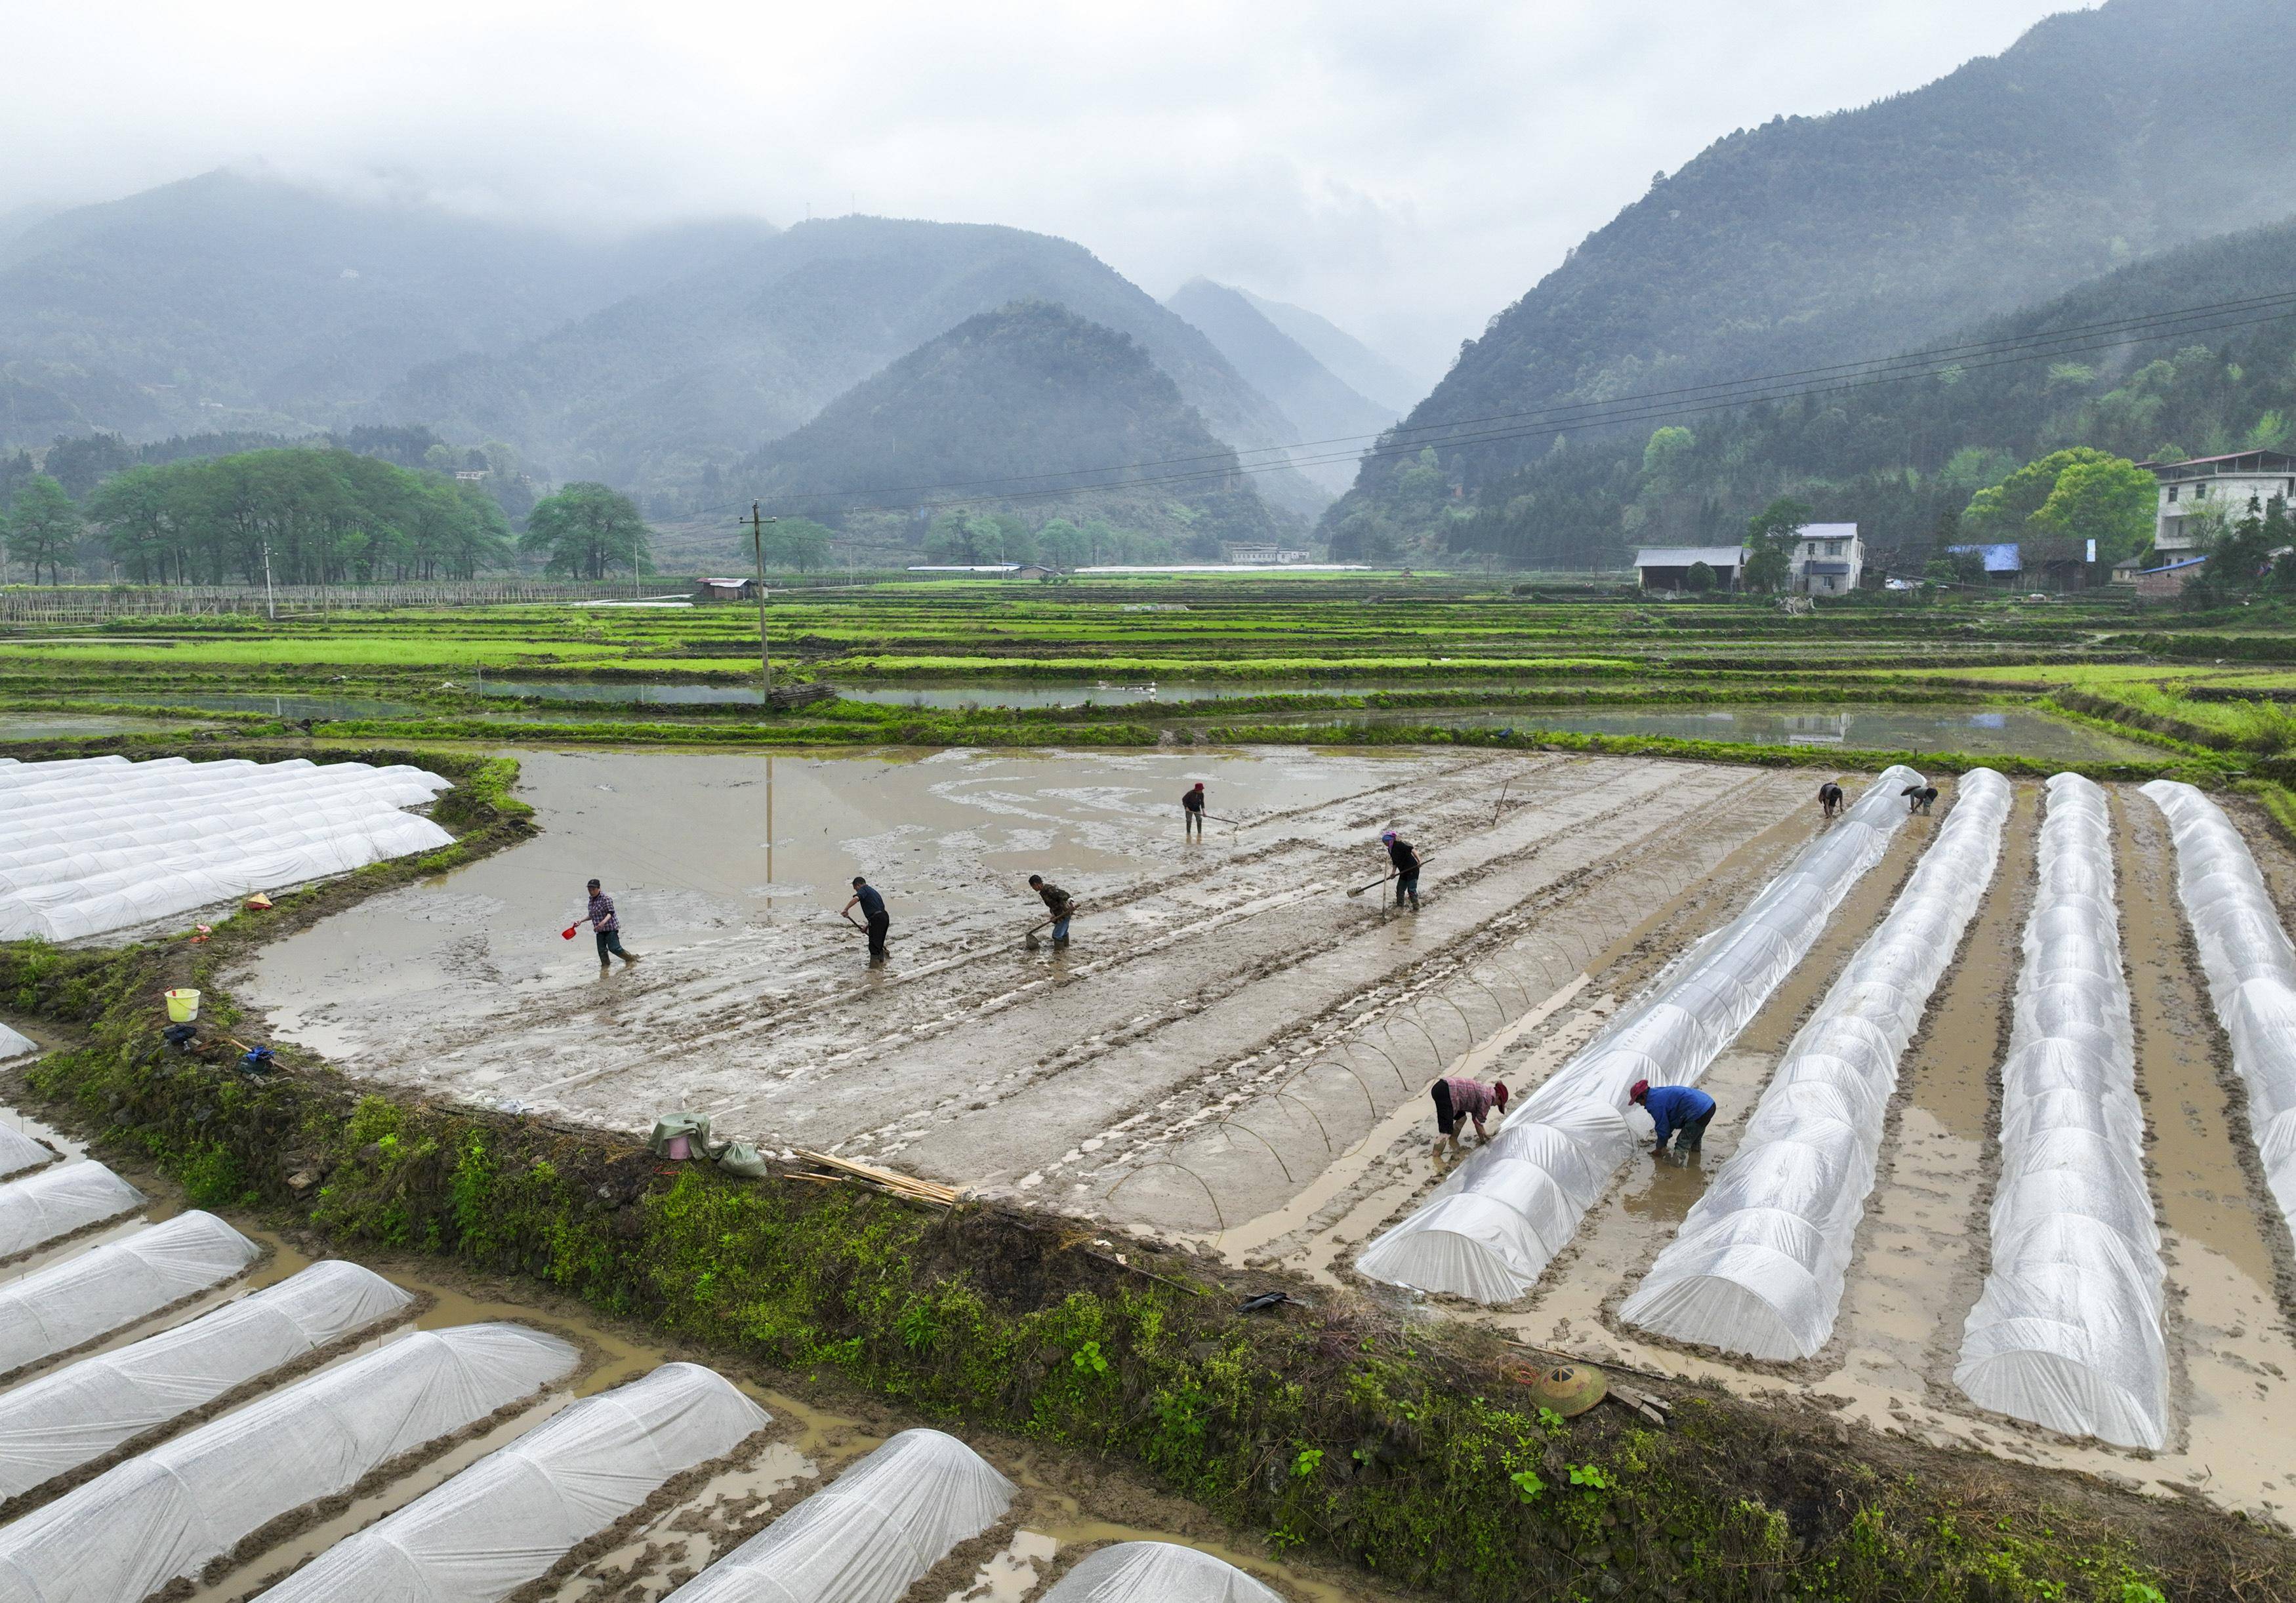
(1978, 730)
(1065, 1506)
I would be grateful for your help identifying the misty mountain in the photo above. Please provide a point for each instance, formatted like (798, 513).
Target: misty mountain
(1356, 365)
(1027, 399)
(653, 390)
(2088, 145)
(1318, 401)
(244, 302)
(1903, 458)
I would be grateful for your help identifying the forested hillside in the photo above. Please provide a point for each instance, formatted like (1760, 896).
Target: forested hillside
(664, 389)
(2100, 138)
(1320, 404)
(1025, 399)
(231, 301)
(1904, 458)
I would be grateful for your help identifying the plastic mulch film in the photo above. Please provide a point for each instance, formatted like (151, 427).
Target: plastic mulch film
(13, 1044)
(512, 1515)
(140, 1524)
(2067, 1332)
(54, 1203)
(86, 849)
(1491, 1229)
(78, 1414)
(2251, 967)
(1758, 1266)
(868, 1536)
(105, 1288)
(1157, 1572)
(20, 1152)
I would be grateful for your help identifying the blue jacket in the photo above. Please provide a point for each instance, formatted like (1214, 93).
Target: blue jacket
(1674, 1106)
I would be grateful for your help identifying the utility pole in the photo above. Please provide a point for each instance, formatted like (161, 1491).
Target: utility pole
(757, 521)
(269, 610)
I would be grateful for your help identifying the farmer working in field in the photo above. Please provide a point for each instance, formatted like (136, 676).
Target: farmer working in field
(873, 908)
(1829, 798)
(1683, 1109)
(602, 919)
(1458, 1098)
(1192, 810)
(1919, 798)
(1060, 903)
(1405, 862)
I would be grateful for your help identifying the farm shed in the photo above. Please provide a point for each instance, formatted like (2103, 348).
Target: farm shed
(1667, 566)
(2167, 581)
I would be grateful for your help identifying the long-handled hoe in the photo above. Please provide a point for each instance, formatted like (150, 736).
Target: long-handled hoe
(1382, 879)
(1030, 938)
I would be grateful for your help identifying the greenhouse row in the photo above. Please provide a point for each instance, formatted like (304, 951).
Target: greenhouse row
(511, 1516)
(1758, 1265)
(2068, 1331)
(15, 1045)
(164, 1515)
(108, 1288)
(103, 845)
(2251, 971)
(59, 1202)
(1157, 1572)
(20, 1152)
(72, 1417)
(1492, 1228)
(869, 1534)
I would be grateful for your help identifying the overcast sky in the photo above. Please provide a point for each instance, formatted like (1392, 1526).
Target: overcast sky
(1405, 170)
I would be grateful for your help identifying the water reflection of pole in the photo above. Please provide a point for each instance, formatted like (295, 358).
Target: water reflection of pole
(769, 837)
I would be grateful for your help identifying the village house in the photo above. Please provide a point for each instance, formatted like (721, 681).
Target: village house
(1828, 559)
(2237, 484)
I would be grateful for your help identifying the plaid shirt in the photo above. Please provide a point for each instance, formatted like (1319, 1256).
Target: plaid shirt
(601, 916)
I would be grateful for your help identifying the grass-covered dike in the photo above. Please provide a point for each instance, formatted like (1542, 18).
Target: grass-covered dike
(1401, 1447)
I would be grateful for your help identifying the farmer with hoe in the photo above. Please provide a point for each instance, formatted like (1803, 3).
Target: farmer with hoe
(1458, 1098)
(1405, 862)
(1192, 810)
(1675, 1108)
(873, 908)
(1059, 902)
(602, 919)
(1829, 798)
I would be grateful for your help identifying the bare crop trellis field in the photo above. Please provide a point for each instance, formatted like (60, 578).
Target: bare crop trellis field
(84, 604)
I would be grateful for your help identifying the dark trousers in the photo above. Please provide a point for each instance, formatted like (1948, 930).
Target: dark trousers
(1407, 887)
(1195, 821)
(1446, 1122)
(609, 941)
(1691, 1137)
(878, 922)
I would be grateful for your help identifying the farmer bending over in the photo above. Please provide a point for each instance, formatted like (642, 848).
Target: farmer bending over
(1683, 1109)
(1058, 903)
(1458, 1098)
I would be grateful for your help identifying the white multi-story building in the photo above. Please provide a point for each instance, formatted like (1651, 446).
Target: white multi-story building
(2233, 485)
(1828, 559)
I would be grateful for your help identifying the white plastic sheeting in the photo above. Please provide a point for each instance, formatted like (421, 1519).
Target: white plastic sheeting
(512, 1515)
(2067, 1332)
(1492, 1228)
(108, 1287)
(868, 1536)
(13, 1044)
(20, 1152)
(87, 848)
(140, 1524)
(1758, 1266)
(1157, 1572)
(53, 1203)
(2251, 967)
(79, 1414)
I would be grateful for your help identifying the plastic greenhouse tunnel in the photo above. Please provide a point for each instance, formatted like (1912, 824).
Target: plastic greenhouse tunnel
(1492, 1228)
(59, 1307)
(60, 1202)
(19, 1153)
(1758, 1265)
(1157, 1572)
(867, 1536)
(514, 1514)
(87, 849)
(2251, 971)
(75, 1416)
(2068, 1331)
(13, 1045)
(139, 1525)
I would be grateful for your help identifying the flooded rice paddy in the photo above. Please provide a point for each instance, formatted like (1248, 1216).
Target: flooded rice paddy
(1976, 730)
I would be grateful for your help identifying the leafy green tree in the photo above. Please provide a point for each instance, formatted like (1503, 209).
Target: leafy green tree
(44, 527)
(1769, 537)
(2110, 501)
(798, 543)
(587, 530)
(1699, 580)
(2000, 511)
(1064, 545)
(1665, 458)
(137, 512)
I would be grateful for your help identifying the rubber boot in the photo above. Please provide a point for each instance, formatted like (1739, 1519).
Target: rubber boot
(628, 957)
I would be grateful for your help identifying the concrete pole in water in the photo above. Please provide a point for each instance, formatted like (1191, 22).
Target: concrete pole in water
(757, 523)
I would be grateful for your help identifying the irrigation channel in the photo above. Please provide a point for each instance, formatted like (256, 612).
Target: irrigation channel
(1235, 1052)
(689, 1469)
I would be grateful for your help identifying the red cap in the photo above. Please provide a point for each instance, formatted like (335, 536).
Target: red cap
(1641, 1089)
(1499, 1093)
